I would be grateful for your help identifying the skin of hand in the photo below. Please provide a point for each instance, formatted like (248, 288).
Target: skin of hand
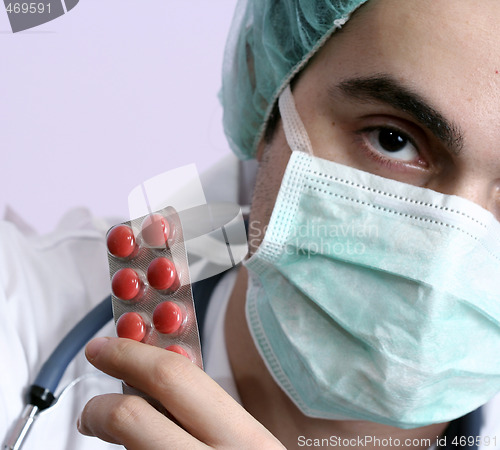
(205, 415)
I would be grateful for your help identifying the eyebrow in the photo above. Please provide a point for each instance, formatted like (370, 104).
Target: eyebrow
(385, 89)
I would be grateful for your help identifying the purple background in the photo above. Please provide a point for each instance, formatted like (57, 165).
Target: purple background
(105, 97)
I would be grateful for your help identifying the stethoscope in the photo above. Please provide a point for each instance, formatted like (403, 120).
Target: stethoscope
(225, 252)
(41, 393)
(201, 221)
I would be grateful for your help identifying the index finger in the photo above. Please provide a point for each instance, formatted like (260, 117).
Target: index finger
(130, 421)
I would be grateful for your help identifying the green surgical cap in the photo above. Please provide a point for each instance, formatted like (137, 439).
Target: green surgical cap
(269, 42)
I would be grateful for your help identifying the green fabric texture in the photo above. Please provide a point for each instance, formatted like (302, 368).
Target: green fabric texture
(269, 42)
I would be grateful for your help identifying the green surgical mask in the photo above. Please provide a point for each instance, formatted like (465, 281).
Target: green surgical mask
(370, 299)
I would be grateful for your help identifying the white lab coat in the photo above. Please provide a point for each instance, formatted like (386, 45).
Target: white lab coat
(47, 284)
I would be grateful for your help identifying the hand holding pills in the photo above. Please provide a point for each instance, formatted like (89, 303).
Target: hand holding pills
(206, 416)
(160, 357)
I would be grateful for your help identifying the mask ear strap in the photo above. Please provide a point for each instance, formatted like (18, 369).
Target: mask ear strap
(295, 132)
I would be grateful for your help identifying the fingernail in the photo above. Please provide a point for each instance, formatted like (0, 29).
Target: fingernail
(81, 428)
(94, 346)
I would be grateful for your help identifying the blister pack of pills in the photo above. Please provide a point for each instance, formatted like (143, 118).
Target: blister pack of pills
(151, 289)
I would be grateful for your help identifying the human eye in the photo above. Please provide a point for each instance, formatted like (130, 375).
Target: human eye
(391, 145)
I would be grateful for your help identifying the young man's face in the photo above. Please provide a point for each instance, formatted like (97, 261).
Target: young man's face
(408, 90)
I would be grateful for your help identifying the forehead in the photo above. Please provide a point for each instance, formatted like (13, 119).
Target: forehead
(434, 35)
(426, 36)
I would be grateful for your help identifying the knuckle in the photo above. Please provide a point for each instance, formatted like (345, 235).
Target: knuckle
(172, 370)
(124, 415)
(118, 354)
